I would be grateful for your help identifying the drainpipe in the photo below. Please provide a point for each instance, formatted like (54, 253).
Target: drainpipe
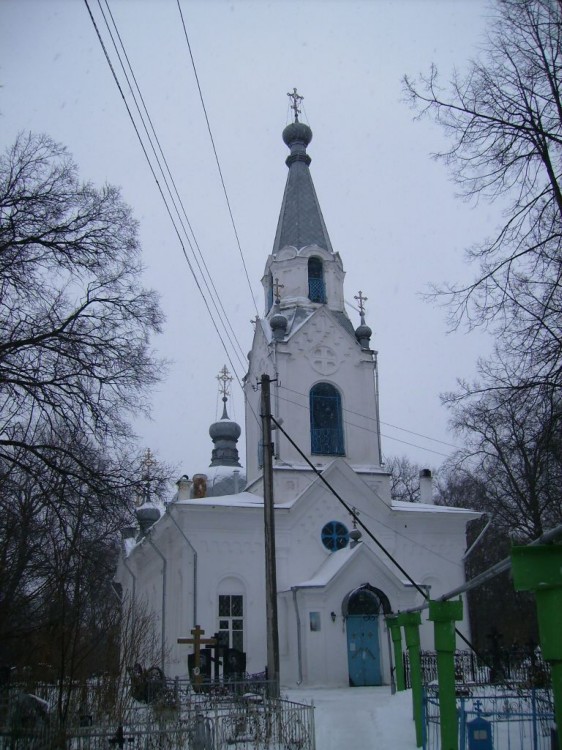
(178, 527)
(163, 636)
(294, 589)
(375, 358)
(133, 576)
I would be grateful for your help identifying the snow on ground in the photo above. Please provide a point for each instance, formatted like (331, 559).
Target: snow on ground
(363, 717)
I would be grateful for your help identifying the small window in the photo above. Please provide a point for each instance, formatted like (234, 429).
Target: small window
(335, 536)
(316, 290)
(326, 428)
(314, 621)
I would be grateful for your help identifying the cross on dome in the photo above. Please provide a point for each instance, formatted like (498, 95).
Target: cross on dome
(361, 301)
(296, 99)
(225, 379)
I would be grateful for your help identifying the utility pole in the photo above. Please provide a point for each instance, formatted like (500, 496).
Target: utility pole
(269, 524)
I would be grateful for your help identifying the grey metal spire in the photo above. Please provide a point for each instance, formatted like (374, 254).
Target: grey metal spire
(300, 222)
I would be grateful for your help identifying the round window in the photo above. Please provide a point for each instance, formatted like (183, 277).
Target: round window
(335, 536)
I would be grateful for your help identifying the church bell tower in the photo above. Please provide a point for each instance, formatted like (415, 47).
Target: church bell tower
(325, 391)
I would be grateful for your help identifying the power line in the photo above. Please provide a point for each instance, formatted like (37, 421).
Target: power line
(350, 510)
(216, 156)
(204, 273)
(155, 177)
(366, 429)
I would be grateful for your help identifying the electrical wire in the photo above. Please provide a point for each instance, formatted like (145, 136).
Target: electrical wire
(350, 510)
(366, 429)
(174, 195)
(216, 157)
(158, 184)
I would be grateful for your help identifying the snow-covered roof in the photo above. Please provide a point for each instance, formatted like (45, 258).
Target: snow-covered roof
(429, 508)
(239, 500)
(332, 565)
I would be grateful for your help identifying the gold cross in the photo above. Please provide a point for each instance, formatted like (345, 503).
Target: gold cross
(196, 642)
(225, 379)
(296, 99)
(276, 288)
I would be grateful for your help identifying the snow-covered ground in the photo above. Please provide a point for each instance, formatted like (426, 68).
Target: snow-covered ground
(364, 718)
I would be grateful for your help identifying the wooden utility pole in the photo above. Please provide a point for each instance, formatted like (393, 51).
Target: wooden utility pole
(269, 522)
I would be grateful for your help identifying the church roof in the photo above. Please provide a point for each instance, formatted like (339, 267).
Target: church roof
(300, 222)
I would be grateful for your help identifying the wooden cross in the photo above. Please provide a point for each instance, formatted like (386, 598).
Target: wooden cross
(255, 320)
(196, 642)
(276, 289)
(296, 99)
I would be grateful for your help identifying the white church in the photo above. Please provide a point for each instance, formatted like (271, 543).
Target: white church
(200, 561)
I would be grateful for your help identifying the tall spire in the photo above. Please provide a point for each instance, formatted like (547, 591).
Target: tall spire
(300, 221)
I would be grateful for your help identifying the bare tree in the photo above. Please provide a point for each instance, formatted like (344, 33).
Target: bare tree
(504, 121)
(404, 479)
(75, 365)
(511, 462)
(75, 321)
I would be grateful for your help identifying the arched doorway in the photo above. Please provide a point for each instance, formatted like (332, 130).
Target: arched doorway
(361, 609)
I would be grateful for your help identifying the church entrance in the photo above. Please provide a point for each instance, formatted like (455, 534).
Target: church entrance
(362, 608)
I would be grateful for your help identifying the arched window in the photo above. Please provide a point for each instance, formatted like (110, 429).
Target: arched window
(316, 291)
(326, 428)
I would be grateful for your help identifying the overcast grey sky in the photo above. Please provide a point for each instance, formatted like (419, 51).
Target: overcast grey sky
(390, 209)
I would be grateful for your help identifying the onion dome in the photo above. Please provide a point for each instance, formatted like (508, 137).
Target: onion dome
(278, 323)
(297, 136)
(147, 515)
(225, 434)
(355, 536)
(363, 335)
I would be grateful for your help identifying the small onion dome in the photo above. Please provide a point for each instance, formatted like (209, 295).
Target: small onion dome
(224, 434)
(278, 325)
(147, 515)
(224, 429)
(297, 136)
(363, 335)
(297, 131)
(355, 536)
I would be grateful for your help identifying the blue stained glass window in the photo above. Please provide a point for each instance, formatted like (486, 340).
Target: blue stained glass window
(316, 290)
(335, 536)
(326, 429)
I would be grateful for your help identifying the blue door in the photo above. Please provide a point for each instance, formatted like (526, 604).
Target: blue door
(363, 652)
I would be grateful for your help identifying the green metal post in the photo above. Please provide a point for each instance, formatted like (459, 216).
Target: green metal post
(411, 622)
(539, 569)
(396, 635)
(443, 616)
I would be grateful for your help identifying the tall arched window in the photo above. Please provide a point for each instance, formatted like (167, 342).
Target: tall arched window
(316, 291)
(326, 427)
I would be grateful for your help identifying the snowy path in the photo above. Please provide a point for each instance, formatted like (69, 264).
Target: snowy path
(363, 718)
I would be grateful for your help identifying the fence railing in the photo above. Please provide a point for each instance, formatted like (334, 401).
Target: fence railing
(517, 668)
(215, 716)
(511, 719)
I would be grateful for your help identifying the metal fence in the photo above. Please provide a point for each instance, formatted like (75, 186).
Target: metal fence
(212, 717)
(521, 668)
(500, 719)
